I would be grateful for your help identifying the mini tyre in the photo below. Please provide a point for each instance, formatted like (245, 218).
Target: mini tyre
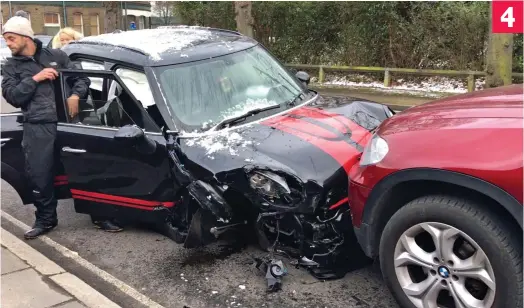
(441, 251)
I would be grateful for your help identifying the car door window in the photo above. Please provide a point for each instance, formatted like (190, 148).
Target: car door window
(137, 83)
(96, 83)
(113, 108)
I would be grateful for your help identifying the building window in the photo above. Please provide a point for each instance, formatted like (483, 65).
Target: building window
(51, 23)
(52, 20)
(78, 22)
(94, 25)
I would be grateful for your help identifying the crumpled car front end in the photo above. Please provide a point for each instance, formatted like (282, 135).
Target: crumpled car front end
(287, 175)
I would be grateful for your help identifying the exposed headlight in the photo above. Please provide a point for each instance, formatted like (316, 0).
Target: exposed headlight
(268, 183)
(375, 151)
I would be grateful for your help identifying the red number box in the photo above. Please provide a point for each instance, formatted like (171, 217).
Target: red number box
(506, 16)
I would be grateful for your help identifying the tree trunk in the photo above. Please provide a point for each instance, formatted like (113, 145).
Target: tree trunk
(499, 60)
(113, 16)
(244, 18)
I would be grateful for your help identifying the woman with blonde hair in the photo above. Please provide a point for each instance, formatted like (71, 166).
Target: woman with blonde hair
(65, 36)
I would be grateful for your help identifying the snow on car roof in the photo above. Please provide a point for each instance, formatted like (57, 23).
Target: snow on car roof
(155, 42)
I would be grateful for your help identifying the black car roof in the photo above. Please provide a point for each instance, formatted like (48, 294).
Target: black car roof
(162, 46)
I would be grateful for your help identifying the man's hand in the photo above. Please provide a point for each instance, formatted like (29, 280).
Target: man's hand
(46, 73)
(72, 105)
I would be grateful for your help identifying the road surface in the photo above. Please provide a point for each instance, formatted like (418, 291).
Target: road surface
(158, 268)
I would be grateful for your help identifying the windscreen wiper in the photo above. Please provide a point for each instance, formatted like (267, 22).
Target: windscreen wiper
(274, 79)
(241, 117)
(293, 101)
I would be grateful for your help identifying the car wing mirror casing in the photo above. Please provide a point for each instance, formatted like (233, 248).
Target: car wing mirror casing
(303, 77)
(132, 135)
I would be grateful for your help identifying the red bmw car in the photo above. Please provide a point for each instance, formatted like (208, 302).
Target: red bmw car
(437, 197)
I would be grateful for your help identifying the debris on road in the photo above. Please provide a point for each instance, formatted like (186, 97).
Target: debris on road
(274, 270)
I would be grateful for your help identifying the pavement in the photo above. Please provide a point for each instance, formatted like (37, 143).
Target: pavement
(29, 279)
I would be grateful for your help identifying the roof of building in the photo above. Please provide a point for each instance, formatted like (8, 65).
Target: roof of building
(163, 46)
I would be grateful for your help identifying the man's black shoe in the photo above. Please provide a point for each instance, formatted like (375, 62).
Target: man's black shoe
(37, 231)
(107, 225)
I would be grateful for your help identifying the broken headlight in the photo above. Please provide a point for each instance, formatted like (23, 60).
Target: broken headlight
(269, 184)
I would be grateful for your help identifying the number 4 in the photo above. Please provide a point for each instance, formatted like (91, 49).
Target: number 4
(508, 17)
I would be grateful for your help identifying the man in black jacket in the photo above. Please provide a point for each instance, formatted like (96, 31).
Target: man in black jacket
(28, 83)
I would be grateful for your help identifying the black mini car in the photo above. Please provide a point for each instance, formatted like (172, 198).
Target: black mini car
(200, 131)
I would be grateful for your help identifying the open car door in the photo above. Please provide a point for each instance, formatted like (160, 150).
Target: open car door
(106, 176)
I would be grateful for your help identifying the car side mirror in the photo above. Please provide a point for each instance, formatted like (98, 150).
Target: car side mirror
(132, 135)
(303, 77)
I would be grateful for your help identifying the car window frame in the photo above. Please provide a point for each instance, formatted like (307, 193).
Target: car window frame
(115, 77)
(125, 67)
(81, 59)
(110, 64)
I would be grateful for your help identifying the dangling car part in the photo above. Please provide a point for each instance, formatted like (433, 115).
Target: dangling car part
(274, 270)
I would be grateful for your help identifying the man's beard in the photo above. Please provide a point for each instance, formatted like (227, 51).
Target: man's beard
(19, 50)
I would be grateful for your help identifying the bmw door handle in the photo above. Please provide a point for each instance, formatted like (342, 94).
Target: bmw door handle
(71, 150)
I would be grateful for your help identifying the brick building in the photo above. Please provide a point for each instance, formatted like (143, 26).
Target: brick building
(87, 17)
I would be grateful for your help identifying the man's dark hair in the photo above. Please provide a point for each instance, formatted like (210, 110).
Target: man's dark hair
(22, 13)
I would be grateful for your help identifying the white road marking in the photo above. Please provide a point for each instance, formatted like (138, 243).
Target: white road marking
(122, 286)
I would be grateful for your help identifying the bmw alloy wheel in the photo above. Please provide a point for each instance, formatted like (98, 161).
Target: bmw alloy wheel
(438, 265)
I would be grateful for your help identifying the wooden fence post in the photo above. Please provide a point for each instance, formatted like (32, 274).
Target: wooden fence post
(321, 75)
(471, 83)
(387, 79)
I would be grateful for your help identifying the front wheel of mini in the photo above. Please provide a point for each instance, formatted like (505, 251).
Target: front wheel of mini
(446, 252)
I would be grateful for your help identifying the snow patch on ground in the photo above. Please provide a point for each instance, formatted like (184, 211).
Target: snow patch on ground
(154, 42)
(422, 85)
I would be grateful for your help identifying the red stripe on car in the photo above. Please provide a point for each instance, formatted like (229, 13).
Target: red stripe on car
(344, 153)
(112, 198)
(334, 206)
(358, 133)
(340, 150)
(80, 197)
(60, 178)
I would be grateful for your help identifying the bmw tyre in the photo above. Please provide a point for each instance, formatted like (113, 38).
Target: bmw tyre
(446, 252)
